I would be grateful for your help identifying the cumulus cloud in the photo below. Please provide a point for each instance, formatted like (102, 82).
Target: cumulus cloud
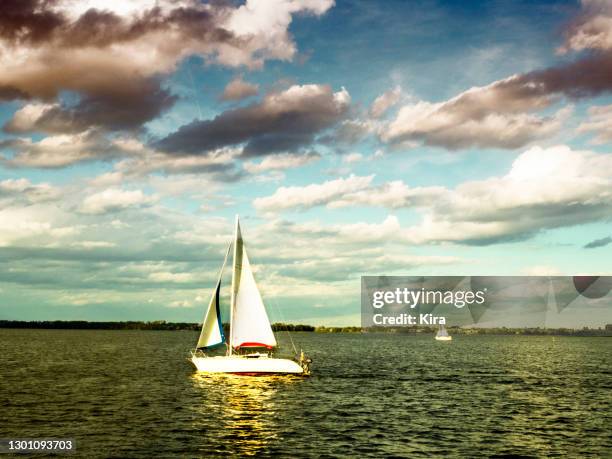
(490, 116)
(238, 89)
(86, 47)
(502, 114)
(263, 26)
(311, 195)
(123, 108)
(61, 150)
(393, 195)
(281, 161)
(22, 191)
(283, 120)
(545, 188)
(114, 200)
(32, 222)
(350, 191)
(599, 123)
(310, 249)
(592, 29)
(385, 101)
(220, 161)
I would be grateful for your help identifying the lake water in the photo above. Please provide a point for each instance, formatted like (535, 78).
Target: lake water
(133, 394)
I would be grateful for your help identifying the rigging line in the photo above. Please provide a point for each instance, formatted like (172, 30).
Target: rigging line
(278, 310)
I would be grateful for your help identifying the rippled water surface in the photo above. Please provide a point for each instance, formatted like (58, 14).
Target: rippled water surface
(133, 394)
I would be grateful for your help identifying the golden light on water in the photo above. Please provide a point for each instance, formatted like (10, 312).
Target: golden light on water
(246, 406)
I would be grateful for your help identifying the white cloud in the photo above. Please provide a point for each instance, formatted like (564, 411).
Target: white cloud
(385, 101)
(22, 190)
(26, 117)
(395, 194)
(181, 173)
(599, 123)
(259, 29)
(592, 29)
(61, 150)
(489, 116)
(93, 244)
(280, 161)
(311, 195)
(238, 89)
(350, 191)
(181, 304)
(164, 276)
(34, 224)
(115, 199)
(545, 188)
(352, 158)
(263, 27)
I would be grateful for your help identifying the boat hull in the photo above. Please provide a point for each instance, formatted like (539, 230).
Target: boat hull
(246, 366)
(444, 338)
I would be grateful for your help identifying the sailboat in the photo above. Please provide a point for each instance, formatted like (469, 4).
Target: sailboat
(251, 341)
(442, 334)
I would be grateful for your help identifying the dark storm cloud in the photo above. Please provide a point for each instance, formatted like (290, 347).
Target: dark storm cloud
(120, 110)
(28, 21)
(103, 28)
(34, 22)
(286, 120)
(586, 77)
(8, 92)
(114, 92)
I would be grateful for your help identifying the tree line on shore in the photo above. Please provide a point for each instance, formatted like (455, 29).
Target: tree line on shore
(190, 326)
(129, 325)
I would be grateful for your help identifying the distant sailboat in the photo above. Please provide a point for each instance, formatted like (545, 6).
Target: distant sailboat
(442, 334)
(250, 332)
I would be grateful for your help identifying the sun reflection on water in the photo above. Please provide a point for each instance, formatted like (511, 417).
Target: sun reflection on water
(244, 407)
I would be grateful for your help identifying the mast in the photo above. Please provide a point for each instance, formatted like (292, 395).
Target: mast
(233, 296)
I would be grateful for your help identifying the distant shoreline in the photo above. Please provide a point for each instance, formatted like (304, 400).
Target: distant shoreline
(190, 326)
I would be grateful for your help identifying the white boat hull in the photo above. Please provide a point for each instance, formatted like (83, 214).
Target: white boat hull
(444, 338)
(237, 364)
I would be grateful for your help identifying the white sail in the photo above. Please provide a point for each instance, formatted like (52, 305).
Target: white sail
(212, 328)
(250, 326)
(442, 331)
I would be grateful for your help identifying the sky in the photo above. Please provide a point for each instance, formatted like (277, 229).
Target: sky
(353, 138)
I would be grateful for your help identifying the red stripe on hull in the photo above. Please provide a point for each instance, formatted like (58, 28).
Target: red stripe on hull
(253, 345)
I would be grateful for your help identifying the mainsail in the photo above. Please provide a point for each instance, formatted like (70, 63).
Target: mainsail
(212, 328)
(250, 326)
